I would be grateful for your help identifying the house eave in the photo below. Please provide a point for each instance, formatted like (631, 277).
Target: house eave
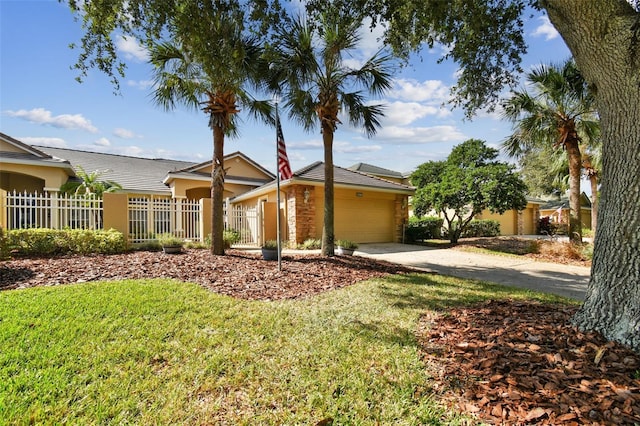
(271, 186)
(42, 163)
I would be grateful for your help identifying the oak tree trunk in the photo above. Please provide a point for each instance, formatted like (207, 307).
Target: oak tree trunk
(593, 180)
(217, 191)
(328, 236)
(601, 37)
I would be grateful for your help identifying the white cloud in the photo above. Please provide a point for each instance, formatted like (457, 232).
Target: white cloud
(63, 121)
(348, 148)
(419, 135)
(102, 142)
(426, 91)
(304, 145)
(545, 29)
(51, 142)
(403, 113)
(125, 134)
(140, 84)
(371, 39)
(131, 48)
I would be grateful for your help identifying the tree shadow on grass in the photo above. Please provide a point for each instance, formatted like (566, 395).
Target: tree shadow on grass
(11, 277)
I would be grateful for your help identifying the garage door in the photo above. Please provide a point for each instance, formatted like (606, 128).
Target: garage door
(364, 220)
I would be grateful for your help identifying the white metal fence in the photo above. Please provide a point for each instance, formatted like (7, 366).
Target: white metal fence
(246, 221)
(152, 216)
(148, 216)
(52, 210)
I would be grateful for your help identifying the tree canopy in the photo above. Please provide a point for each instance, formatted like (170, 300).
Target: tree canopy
(469, 181)
(484, 37)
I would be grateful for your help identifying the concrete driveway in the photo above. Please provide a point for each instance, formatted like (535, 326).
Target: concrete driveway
(564, 280)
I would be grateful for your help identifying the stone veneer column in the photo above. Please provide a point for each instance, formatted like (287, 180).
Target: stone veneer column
(301, 213)
(520, 216)
(401, 216)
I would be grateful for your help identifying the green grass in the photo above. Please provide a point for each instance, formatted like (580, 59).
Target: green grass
(164, 352)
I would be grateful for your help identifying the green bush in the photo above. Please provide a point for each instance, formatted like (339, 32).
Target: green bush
(4, 246)
(311, 244)
(47, 242)
(425, 228)
(346, 244)
(230, 237)
(481, 228)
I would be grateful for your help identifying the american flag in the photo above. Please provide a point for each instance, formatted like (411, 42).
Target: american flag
(283, 161)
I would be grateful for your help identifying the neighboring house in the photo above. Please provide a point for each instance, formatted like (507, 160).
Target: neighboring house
(367, 209)
(517, 222)
(559, 211)
(380, 172)
(157, 194)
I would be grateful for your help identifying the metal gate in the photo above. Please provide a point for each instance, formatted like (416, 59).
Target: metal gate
(246, 221)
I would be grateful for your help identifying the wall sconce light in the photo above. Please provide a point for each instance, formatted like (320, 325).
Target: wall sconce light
(306, 195)
(404, 203)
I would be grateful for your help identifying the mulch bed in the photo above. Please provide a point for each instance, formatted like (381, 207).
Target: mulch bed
(508, 362)
(517, 363)
(239, 274)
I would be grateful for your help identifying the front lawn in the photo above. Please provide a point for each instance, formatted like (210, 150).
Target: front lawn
(165, 352)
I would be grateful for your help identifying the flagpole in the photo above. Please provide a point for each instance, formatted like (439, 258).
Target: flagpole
(278, 196)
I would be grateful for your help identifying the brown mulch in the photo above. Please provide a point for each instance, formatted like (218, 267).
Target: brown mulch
(508, 362)
(542, 249)
(517, 363)
(239, 274)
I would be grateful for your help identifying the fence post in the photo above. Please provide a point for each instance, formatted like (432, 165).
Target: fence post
(205, 218)
(115, 211)
(3, 209)
(55, 212)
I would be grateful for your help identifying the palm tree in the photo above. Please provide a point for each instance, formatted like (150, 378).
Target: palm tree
(560, 111)
(90, 184)
(216, 81)
(316, 85)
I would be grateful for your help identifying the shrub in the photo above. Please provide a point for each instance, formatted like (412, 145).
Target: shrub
(346, 244)
(311, 244)
(270, 245)
(170, 240)
(230, 237)
(47, 242)
(4, 245)
(424, 228)
(481, 228)
(545, 227)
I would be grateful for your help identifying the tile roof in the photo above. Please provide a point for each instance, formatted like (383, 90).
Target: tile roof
(315, 172)
(132, 173)
(375, 170)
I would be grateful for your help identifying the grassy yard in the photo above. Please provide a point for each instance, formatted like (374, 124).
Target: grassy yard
(164, 352)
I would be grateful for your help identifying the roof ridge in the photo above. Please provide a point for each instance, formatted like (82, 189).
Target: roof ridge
(109, 153)
(374, 177)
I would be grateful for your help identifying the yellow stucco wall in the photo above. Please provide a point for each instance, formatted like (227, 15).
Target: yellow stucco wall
(26, 177)
(508, 221)
(115, 212)
(240, 167)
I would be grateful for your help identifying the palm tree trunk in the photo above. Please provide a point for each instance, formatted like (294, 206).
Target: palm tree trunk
(217, 191)
(575, 168)
(328, 235)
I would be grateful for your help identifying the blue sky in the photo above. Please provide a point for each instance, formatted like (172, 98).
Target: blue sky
(41, 103)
